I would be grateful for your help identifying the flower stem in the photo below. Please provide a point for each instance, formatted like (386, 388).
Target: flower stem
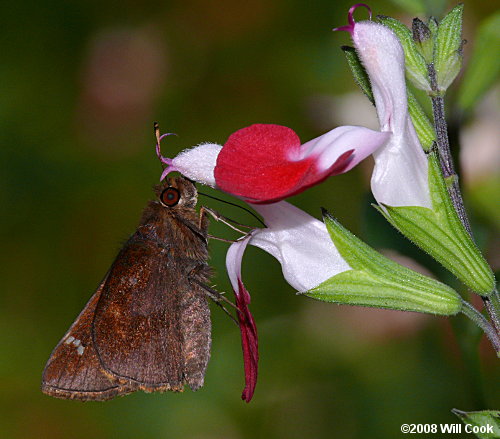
(443, 145)
(481, 321)
(492, 304)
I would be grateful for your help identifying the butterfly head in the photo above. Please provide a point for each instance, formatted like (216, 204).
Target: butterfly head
(177, 191)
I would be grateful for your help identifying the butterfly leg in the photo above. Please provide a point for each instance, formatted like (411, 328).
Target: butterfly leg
(215, 295)
(227, 221)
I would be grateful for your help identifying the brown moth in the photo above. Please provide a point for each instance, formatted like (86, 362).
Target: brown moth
(147, 327)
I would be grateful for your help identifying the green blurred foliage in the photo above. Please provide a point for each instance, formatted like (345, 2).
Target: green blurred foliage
(484, 66)
(81, 83)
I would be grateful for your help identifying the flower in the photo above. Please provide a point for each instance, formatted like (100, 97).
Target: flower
(300, 243)
(400, 173)
(248, 329)
(267, 163)
(307, 255)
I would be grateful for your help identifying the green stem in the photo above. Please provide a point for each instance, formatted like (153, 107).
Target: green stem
(483, 323)
(492, 302)
(492, 305)
(443, 145)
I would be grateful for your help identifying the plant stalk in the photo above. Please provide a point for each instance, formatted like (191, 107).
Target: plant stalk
(492, 304)
(443, 145)
(483, 323)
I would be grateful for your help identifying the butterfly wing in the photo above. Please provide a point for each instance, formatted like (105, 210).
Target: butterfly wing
(73, 370)
(147, 326)
(142, 329)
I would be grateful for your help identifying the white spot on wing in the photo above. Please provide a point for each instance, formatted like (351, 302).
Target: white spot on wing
(77, 343)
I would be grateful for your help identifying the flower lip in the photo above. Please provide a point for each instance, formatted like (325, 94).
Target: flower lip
(350, 17)
(300, 242)
(265, 163)
(340, 166)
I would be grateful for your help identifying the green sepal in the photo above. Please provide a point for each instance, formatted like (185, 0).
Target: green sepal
(359, 72)
(488, 419)
(416, 67)
(440, 233)
(424, 39)
(378, 282)
(423, 126)
(448, 48)
(432, 24)
(484, 65)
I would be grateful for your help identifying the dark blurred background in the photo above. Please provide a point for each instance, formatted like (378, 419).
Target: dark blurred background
(81, 83)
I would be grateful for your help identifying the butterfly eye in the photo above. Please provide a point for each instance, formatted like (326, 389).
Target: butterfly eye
(170, 197)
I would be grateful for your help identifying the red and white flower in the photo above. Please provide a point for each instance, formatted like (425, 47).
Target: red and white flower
(264, 163)
(267, 163)
(307, 256)
(400, 174)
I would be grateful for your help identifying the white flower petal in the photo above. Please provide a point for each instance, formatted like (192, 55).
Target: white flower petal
(382, 55)
(400, 175)
(330, 146)
(300, 243)
(198, 163)
(234, 256)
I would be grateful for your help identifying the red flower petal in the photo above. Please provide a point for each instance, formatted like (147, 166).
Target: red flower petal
(261, 163)
(249, 342)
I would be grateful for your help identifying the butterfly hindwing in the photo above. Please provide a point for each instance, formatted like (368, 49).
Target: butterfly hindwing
(136, 329)
(152, 325)
(73, 370)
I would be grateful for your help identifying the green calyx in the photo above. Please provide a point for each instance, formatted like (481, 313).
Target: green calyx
(486, 421)
(432, 47)
(448, 48)
(358, 72)
(440, 233)
(376, 281)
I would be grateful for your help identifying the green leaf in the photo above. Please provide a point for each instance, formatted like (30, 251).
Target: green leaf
(484, 424)
(423, 126)
(416, 67)
(483, 68)
(359, 72)
(448, 48)
(440, 233)
(376, 281)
